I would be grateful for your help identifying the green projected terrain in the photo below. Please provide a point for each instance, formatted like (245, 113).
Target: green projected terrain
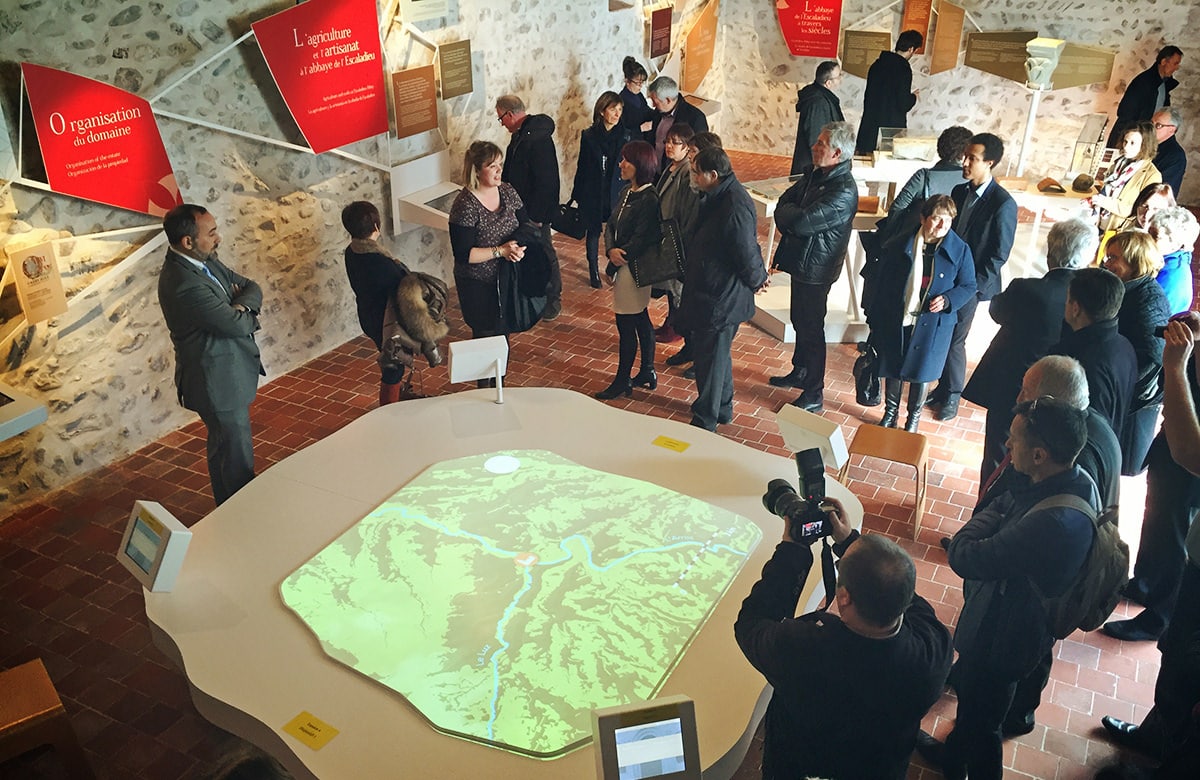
(506, 595)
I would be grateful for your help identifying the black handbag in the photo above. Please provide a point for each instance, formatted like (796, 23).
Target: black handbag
(569, 222)
(665, 264)
(866, 375)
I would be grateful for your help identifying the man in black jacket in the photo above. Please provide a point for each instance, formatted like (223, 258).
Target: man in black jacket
(1149, 91)
(725, 269)
(1094, 298)
(817, 106)
(851, 689)
(1030, 315)
(889, 95)
(1170, 159)
(1007, 554)
(531, 167)
(815, 217)
(987, 222)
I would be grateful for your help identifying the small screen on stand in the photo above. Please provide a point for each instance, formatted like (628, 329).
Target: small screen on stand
(650, 750)
(143, 545)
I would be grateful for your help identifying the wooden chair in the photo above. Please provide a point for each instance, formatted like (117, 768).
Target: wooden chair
(32, 715)
(898, 446)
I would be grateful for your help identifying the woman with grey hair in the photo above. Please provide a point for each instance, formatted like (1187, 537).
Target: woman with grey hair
(1175, 230)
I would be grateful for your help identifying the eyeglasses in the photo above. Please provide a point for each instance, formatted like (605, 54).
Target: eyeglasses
(635, 82)
(1161, 125)
(504, 116)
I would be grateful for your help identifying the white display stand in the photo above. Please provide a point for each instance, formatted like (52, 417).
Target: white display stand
(18, 412)
(416, 185)
(253, 666)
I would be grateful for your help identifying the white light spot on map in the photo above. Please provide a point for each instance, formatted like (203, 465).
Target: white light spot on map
(502, 464)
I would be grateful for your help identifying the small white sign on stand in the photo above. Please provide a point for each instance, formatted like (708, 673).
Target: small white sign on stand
(477, 359)
(803, 430)
(153, 546)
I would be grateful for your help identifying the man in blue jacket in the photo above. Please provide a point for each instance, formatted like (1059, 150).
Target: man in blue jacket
(1006, 554)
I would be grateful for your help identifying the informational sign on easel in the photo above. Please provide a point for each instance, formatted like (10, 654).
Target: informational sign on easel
(39, 282)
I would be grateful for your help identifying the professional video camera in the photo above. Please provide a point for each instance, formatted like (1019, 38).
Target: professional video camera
(807, 522)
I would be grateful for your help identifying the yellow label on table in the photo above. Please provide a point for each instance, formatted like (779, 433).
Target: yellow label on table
(311, 730)
(674, 445)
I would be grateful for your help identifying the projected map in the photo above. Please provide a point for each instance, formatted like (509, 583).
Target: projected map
(506, 595)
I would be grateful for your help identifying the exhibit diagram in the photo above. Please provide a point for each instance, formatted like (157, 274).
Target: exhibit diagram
(507, 595)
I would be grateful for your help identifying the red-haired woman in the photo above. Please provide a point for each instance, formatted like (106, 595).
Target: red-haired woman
(633, 231)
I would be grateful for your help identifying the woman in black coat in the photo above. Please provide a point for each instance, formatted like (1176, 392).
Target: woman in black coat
(597, 174)
(924, 277)
(1133, 256)
(633, 233)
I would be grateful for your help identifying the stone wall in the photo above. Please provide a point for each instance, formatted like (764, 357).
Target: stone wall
(762, 78)
(105, 368)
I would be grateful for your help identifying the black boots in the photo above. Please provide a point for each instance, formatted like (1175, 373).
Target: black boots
(916, 402)
(594, 272)
(891, 402)
(618, 387)
(646, 378)
(892, 390)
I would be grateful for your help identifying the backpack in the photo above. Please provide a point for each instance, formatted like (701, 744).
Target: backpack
(1091, 598)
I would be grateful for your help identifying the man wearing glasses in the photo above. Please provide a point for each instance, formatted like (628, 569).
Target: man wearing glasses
(1005, 554)
(1171, 160)
(531, 167)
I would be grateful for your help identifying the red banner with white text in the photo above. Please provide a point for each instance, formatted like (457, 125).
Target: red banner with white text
(99, 142)
(811, 28)
(327, 61)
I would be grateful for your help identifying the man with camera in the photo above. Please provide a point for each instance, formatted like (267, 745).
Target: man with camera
(851, 688)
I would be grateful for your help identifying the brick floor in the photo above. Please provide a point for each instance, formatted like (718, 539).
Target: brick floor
(67, 601)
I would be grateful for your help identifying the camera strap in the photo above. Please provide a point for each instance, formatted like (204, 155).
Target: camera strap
(828, 573)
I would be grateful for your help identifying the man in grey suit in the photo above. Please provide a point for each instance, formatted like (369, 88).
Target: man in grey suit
(212, 313)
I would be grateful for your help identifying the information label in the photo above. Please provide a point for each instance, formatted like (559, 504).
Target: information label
(1000, 53)
(421, 10)
(455, 60)
(860, 49)
(660, 29)
(947, 38)
(39, 283)
(414, 96)
(1079, 65)
(667, 443)
(99, 142)
(916, 17)
(326, 59)
(810, 27)
(698, 48)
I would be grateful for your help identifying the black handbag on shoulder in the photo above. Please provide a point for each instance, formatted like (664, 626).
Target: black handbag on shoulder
(665, 264)
(569, 222)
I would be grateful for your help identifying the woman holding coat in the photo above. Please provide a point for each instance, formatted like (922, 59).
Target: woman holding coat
(924, 278)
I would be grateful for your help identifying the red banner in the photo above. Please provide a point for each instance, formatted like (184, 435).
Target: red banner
(810, 27)
(326, 59)
(99, 142)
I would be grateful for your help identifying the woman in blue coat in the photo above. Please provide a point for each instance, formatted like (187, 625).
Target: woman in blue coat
(924, 278)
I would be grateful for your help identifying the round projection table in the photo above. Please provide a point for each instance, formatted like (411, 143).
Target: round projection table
(309, 598)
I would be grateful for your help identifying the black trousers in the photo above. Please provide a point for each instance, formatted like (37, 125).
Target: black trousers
(975, 746)
(1170, 506)
(554, 286)
(714, 375)
(809, 304)
(230, 451)
(1177, 689)
(634, 332)
(995, 434)
(954, 374)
